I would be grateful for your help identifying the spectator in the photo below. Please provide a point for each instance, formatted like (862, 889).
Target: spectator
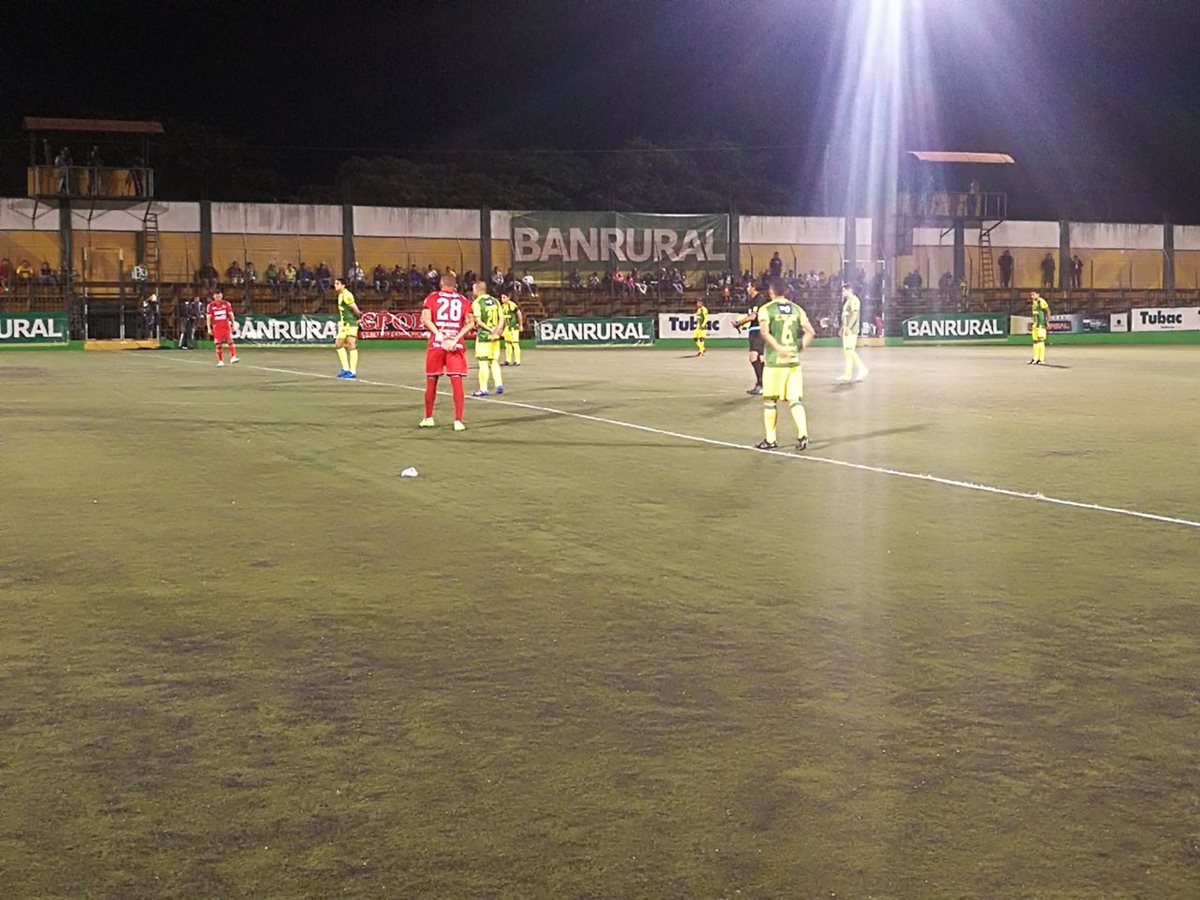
(964, 294)
(776, 265)
(304, 276)
(1006, 269)
(497, 280)
(63, 161)
(149, 311)
(530, 283)
(272, 276)
(397, 277)
(93, 166)
(973, 198)
(945, 287)
(289, 276)
(6, 273)
(358, 278)
(324, 278)
(593, 282)
(46, 274)
(137, 176)
(1076, 272)
(24, 272)
(379, 278)
(1048, 270)
(234, 274)
(251, 274)
(416, 281)
(432, 277)
(913, 281)
(575, 279)
(189, 317)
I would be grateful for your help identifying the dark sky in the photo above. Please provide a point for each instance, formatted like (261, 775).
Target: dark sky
(1098, 100)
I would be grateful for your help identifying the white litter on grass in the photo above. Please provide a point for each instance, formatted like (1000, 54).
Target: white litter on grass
(410, 472)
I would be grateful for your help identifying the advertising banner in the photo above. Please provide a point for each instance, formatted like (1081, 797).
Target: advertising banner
(1101, 324)
(1118, 322)
(34, 328)
(1066, 323)
(551, 244)
(595, 332)
(385, 325)
(956, 327)
(285, 330)
(683, 325)
(1165, 319)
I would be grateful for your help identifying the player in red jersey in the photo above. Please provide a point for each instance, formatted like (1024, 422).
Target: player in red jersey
(219, 317)
(446, 315)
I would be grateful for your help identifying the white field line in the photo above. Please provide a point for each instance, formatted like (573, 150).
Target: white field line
(730, 445)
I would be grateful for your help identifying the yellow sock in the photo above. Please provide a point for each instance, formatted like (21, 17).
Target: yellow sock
(483, 374)
(1042, 351)
(510, 352)
(516, 349)
(354, 360)
(800, 418)
(700, 345)
(496, 373)
(771, 419)
(848, 369)
(345, 361)
(857, 360)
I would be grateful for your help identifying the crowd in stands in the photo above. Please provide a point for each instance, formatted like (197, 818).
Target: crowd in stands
(23, 274)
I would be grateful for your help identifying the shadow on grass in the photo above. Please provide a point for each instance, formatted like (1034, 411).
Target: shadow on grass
(866, 435)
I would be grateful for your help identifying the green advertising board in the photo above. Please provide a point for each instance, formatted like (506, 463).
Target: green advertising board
(551, 244)
(956, 327)
(34, 328)
(617, 331)
(285, 330)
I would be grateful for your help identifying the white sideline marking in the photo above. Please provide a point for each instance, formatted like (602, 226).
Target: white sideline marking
(730, 445)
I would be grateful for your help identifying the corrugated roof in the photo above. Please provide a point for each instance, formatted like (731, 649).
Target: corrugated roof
(951, 156)
(109, 126)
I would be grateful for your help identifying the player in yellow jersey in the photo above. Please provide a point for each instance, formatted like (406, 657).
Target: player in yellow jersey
(851, 325)
(786, 333)
(701, 331)
(1041, 320)
(489, 325)
(347, 338)
(514, 324)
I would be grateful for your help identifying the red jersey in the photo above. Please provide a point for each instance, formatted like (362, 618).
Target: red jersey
(449, 310)
(221, 313)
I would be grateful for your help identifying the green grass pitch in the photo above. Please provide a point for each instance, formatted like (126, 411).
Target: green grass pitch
(241, 656)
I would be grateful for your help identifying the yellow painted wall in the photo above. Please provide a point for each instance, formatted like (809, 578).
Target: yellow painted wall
(502, 254)
(178, 255)
(34, 246)
(260, 249)
(825, 258)
(1187, 269)
(1105, 269)
(463, 255)
(98, 254)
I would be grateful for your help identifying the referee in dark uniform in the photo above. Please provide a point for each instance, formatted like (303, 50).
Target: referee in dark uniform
(755, 335)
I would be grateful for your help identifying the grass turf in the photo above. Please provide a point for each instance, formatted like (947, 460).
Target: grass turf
(241, 656)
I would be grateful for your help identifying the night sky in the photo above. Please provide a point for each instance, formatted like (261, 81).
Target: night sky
(1098, 101)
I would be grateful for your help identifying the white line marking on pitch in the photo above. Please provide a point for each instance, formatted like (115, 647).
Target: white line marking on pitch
(730, 445)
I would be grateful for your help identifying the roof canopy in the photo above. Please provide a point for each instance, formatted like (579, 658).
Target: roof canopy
(950, 156)
(106, 126)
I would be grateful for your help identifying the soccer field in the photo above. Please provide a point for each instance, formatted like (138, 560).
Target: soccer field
(600, 647)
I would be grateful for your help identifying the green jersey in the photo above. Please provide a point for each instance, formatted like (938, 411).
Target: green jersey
(345, 301)
(851, 311)
(786, 322)
(488, 314)
(512, 313)
(702, 318)
(1041, 312)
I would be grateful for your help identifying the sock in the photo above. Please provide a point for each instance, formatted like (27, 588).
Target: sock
(344, 358)
(1041, 351)
(771, 419)
(516, 349)
(430, 395)
(800, 418)
(699, 345)
(232, 350)
(508, 351)
(220, 358)
(354, 360)
(758, 372)
(856, 360)
(483, 374)
(456, 388)
(496, 376)
(848, 369)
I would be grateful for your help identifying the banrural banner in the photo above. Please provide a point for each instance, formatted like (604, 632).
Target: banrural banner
(297, 330)
(956, 327)
(1165, 319)
(551, 244)
(607, 332)
(385, 325)
(683, 325)
(1064, 323)
(34, 328)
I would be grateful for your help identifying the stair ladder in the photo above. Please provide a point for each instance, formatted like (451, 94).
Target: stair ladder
(151, 245)
(987, 267)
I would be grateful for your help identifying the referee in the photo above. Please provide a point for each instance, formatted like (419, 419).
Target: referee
(755, 335)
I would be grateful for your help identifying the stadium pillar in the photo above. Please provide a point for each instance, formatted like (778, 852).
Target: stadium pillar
(1169, 260)
(850, 254)
(485, 245)
(64, 235)
(735, 243)
(347, 237)
(960, 251)
(206, 251)
(1064, 254)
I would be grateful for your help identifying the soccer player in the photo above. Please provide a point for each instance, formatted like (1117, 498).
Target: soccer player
(851, 325)
(1041, 318)
(514, 325)
(218, 316)
(753, 296)
(347, 339)
(786, 332)
(446, 315)
(701, 326)
(489, 325)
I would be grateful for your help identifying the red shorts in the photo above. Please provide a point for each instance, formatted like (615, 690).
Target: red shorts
(449, 362)
(222, 335)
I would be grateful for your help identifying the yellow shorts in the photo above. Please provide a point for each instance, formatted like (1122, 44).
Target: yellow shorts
(783, 383)
(512, 336)
(487, 350)
(849, 341)
(1039, 333)
(345, 331)
(699, 335)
